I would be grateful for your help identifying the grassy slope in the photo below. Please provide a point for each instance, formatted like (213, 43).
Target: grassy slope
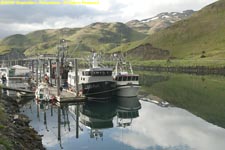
(204, 31)
(97, 36)
(203, 96)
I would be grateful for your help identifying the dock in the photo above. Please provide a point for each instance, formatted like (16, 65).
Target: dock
(16, 89)
(66, 96)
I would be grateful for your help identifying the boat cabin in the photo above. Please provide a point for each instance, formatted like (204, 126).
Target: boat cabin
(97, 73)
(127, 78)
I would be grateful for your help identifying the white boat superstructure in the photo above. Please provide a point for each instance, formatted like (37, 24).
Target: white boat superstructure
(19, 71)
(127, 82)
(95, 82)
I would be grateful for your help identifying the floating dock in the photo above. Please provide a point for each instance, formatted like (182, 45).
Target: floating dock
(66, 96)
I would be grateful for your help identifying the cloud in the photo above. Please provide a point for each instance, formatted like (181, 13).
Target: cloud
(27, 18)
(170, 128)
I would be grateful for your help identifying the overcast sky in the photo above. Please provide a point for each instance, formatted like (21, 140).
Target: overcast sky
(22, 19)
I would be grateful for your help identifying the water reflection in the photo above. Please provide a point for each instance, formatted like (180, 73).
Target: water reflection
(201, 95)
(58, 123)
(124, 123)
(171, 128)
(97, 116)
(127, 110)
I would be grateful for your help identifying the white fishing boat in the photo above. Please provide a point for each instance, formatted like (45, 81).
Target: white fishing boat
(95, 82)
(42, 92)
(19, 71)
(127, 82)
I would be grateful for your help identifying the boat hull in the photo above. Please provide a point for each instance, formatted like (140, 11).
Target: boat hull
(127, 90)
(99, 91)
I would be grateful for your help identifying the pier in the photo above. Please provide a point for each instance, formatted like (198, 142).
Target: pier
(47, 65)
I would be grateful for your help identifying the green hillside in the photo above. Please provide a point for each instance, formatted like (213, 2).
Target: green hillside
(96, 36)
(203, 32)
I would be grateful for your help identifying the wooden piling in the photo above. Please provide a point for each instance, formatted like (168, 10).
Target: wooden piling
(58, 76)
(43, 67)
(76, 77)
(77, 121)
(37, 63)
(50, 71)
(40, 64)
(32, 66)
(59, 123)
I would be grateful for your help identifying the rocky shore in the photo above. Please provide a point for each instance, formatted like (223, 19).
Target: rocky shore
(15, 132)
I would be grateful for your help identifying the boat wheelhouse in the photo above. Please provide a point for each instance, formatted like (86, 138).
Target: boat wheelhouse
(127, 82)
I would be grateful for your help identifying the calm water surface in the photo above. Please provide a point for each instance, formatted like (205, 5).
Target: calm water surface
(132, 123)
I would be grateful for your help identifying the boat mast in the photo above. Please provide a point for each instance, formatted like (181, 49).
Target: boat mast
(131, 70)
(94, 60)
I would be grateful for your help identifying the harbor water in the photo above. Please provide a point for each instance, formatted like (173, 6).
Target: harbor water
(194, 119)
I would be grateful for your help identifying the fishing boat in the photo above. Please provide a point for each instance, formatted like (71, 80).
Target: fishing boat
(42, 92)
(126, 81)
(95, 83)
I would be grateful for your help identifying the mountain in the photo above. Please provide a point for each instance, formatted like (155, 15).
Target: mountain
(202, 33)
(158, 22)
(96, 36)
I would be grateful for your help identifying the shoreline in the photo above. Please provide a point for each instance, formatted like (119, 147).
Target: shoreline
(15, 131)
(200, 70)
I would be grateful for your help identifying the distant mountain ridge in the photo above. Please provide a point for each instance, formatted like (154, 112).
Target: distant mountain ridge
(203, 33)
(96, 36)
(158, 22)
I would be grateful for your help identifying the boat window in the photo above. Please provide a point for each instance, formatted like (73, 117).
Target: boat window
(86, 73)
(136, 78)
(98, 73)
(109, 73)
(129, 78)
(124, 78)
(120, 78)
(133, 78)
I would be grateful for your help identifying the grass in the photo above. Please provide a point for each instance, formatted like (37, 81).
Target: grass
(97, 37)
(4, 141)
(201, 95)
(204, 31)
